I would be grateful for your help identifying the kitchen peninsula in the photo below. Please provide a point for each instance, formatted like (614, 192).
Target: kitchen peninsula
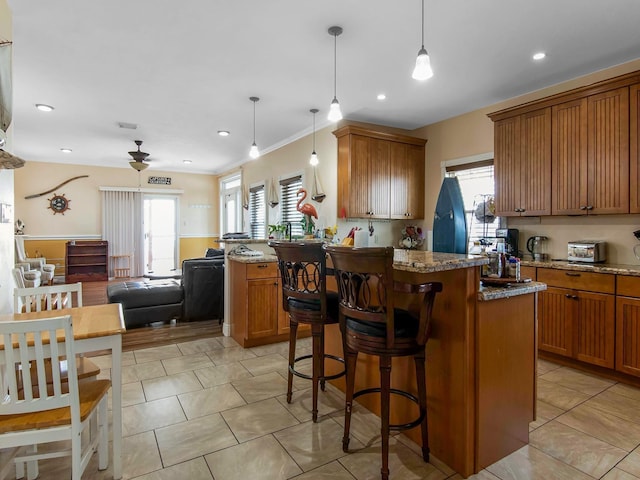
(481, 356)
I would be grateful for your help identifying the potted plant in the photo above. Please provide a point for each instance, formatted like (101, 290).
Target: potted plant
(277, 232)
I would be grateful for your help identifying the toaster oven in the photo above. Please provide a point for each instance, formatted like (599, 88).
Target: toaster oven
(591, 251)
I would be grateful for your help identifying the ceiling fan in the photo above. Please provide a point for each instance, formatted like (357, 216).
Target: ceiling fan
(139, 158)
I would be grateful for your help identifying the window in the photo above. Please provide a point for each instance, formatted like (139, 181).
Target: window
(477, 186)
(231, 204)
(257, 212)
(288, 198)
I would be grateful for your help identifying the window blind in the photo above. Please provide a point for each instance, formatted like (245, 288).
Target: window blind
(257, 212)
(288, 198)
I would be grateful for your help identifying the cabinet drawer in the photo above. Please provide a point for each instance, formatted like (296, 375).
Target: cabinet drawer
(628, 286)
(594, 282)
(262, 270)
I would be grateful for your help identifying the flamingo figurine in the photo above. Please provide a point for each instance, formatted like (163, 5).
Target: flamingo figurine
(307, 208)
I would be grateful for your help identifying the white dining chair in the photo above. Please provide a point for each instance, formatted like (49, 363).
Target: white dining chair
(42, 412)
(48, 297)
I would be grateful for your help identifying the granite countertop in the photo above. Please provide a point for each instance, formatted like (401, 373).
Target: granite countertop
(611, 268)
(237, 241)
(486, 293)
(266, 258)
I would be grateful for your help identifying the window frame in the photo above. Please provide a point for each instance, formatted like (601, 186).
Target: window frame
(257, 204)
(289, 186)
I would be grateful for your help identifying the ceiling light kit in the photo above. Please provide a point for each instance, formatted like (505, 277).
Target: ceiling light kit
(539, 55)
(223, 133)
(334, 111)
(381, 96)
(44, 108)
(422, 70)
(66, 150)
(314, 157)
(138, 158)
(254, 152)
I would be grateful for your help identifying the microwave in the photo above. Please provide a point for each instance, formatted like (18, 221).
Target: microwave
(591, 251)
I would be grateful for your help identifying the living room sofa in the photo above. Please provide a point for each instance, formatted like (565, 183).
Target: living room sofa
(197, 296)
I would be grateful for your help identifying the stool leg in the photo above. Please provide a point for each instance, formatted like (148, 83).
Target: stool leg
(293, 332)
(318, 360)
(351, 358)
(385, 398)
(422, 398)
(322, 382)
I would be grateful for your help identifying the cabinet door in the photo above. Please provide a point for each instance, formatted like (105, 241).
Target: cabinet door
(407, 181)
(507, 151)
(594, 328)
(555, 325)
(628, 335)
(379, 183)
(634, 144)
(608, 152)
(569, 158)
(535, 163)
(359, 186)
(262, 307)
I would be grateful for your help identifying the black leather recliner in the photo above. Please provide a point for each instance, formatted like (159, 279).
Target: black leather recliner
(203, 286)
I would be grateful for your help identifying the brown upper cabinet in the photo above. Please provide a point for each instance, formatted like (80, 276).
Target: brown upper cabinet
(574, 153)
(380, 175)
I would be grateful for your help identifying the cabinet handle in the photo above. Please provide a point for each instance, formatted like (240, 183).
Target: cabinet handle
(262, 266)
(571, 274)
(574, 297)
(589, 207)
(583, 207)
(275, 284)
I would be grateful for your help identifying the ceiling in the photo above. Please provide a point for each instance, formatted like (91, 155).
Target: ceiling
(181, 71)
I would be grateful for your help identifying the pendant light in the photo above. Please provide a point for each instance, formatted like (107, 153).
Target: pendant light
(254, 152)
(334, 111)
(314, 156)
(422, 70)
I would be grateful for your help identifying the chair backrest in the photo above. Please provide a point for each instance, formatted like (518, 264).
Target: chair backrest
(51, 297)
(18, 279)
(303, 267)
(20, 255)
(35, 346)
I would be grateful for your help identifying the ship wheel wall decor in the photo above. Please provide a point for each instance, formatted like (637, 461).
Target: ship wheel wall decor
(58, 203)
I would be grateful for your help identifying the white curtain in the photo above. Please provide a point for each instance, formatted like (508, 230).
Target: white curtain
(123, 227)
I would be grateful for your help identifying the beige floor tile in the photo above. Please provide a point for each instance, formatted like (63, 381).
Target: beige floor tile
(281, 348)
(261, 387)
(575, 380)
(104, 361)
(132, 394)
(260, 458)
(195, 469)
(186, 363)
(227, 342)
(626, 391)
(529, 463)
(147, 416)
(417, 449)
(603, 426)
(194, 438)
(584, 452)
(268, 363)
(631, 463)
(156, 353)
(545, 366)
(257, 419)
(481, 475)
(200, 346)
(314, 444)
(365, 426)
(224, 356)
(140, 455)
(212, 376)
(210, 400)
(403, 463)
(544, 413)
(160, 387)
(330, 471)
(128, 375)
(559, 396)
(330, 401)
(622, 406)
(617, 474)
(144, 371)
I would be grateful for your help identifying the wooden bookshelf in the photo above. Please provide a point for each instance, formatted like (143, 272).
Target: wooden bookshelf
(86, 261)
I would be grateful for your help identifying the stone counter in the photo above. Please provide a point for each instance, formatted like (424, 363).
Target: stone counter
(612, 268)
(487, 293)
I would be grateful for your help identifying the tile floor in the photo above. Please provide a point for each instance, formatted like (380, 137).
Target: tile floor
(209, 409)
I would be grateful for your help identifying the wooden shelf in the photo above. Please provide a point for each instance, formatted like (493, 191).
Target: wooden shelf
(86, 261)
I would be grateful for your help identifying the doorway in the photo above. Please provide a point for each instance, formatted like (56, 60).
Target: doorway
(160, 234)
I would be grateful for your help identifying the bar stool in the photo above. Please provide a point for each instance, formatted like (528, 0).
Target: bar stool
(371, 324)
(303, 268)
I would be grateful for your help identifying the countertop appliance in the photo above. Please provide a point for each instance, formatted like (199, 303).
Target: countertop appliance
(510, 236)
(537, 246)
(591, 251)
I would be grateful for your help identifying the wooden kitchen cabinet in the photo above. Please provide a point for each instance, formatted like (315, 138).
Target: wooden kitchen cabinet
(522, 164)
(628, 325)
(86, 261)
(380, 175)
(634, 148)
(577, 315)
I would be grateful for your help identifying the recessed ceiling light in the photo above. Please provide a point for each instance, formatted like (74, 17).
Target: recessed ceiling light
(223, 133)
(539, 55)
(381, 96)
(186, 161)
(44, 108)
(66, 150)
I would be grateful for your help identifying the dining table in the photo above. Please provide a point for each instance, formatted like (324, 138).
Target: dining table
(96, 328)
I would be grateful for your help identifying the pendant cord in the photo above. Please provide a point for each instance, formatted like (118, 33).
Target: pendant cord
(335, 66)
(254, 121)
(314, 132)
(422, 23)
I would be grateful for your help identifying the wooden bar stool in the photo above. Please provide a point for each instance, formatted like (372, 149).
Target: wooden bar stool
(304, 296)
(371, 324)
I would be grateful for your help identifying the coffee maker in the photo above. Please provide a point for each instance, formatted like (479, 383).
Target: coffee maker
(510, 236)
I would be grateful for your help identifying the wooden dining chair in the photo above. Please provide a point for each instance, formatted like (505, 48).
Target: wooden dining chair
(45, 412)
(372, 323)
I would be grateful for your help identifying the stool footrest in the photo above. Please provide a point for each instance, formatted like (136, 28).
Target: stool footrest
(326, 377)
(401, 426)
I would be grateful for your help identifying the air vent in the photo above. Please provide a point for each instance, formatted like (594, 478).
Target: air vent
(130, 126)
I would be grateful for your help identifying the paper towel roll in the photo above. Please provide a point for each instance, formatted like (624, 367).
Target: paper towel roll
(361, 238)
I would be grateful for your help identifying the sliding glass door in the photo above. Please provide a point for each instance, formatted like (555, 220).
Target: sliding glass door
(160, 234)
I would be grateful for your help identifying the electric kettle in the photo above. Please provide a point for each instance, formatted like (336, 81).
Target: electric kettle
(536, 246)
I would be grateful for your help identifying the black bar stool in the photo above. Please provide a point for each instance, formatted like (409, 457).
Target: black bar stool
(304, 296)
(371, 324)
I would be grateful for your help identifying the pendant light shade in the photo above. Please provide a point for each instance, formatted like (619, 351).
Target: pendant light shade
(253, 151)
(422, 70)
(334, 111)
(314, 156)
